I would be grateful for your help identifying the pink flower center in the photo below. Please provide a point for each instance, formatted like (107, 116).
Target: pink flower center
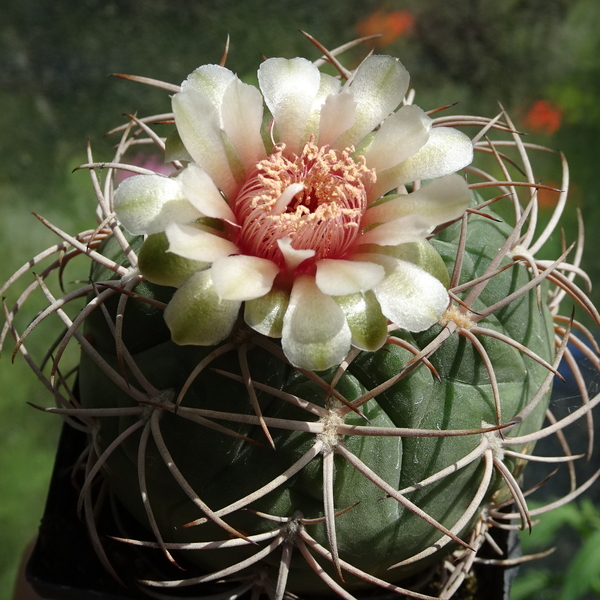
(317, 199)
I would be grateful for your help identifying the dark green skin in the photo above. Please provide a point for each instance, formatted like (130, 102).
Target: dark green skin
(378, 532)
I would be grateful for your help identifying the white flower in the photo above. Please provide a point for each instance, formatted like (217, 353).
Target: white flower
(282, 204)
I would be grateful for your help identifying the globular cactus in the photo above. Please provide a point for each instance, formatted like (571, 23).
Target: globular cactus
(304, 369)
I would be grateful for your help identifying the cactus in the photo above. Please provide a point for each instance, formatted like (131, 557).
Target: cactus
(313, 418)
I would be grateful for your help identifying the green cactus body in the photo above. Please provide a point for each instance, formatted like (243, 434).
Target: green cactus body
(376, 532)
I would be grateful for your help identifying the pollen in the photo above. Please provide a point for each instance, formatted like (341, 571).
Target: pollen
(316, 198)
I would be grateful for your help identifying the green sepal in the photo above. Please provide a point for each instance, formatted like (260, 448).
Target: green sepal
(365, 319)
(197, 316)
(162, 267)
(265, 314)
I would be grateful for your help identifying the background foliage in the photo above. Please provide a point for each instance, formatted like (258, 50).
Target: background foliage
(538, 58)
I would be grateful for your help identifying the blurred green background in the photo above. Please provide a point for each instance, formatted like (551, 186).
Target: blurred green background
(539, 58)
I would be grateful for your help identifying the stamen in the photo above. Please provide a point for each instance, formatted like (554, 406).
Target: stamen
(317, 199)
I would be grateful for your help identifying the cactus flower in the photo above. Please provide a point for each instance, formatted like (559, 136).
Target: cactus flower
(284, 205)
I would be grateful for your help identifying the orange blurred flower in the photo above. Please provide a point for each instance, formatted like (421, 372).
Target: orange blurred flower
(544, 117)
(391, 25)
(548, 198)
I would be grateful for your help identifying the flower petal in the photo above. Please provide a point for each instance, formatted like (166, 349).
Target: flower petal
(195, 243)
(447, 151)
(162, 267)
(242, 116)
(378, 87)
(410, 228)
(290, 88)
(286, 197)
(440, 201)
(400, 136)
(204, 195)
(292, 256)
(211, 81)
(338, 114)
(410, 297)
(367, 323)
(196, 315)
(420, 253)
(329, 87)
(343, 277)
(145, 204)
(198, 124)
(242, 277)
(265, 314)
(316, 335)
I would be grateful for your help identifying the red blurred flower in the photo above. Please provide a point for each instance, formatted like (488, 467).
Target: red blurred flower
(391, 25)
(544, 117)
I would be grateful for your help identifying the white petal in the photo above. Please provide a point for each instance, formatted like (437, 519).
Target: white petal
(242, 277)
(400, 136)
(197, 244)
(338, 114)
(145, 204)
(343, 277)
(196, 315)
(202, 192)
(315, 333)
(447, 151)
(242, 116)
(286, 197)
(292, 256)
(329, 86)
(211, 81)
(410, 297)
(378, 87)
(290, 88)
(198, 124)
(421, 253)
(440, 201)
(411, 228)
